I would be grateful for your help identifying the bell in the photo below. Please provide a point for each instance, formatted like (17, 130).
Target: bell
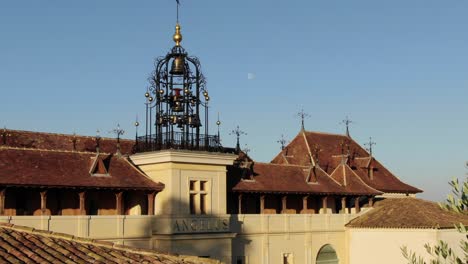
(178, 67)
(160, 120)
(194, 121)
(178, 107)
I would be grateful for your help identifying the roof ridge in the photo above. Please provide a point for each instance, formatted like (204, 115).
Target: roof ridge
(63, 134)
(359, 178)
(325, 133)
(126, 159)
(277, 164)
(308, 147)
(6, 147)
(362, 157)
(330, 175)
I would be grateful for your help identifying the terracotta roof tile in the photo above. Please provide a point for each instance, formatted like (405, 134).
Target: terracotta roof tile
(408, 213)
(20, 245)
(329, 157)
(351, 182)
(269, 177)
(52, 141)
(34, 167)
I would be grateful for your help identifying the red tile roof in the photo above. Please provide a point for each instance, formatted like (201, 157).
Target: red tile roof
(26, 245)
(57, 160)
(350, 181)
(408, 213)
(58, 168)
(51, 141)
(331, 147)
(51, 168)
(276, 178)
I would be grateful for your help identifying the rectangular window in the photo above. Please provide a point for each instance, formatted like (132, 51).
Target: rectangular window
(199, 199)
(202, 185)
(193, 210)
(203, 204)
(192, 185)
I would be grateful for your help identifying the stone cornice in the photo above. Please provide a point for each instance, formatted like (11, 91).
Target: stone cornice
(179, 156)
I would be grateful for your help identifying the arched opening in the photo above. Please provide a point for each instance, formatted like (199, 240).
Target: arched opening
(327, 255)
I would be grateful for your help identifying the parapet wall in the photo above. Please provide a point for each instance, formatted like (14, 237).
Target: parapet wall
(253, 238)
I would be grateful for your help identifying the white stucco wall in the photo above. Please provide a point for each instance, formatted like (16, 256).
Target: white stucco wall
(383, 246)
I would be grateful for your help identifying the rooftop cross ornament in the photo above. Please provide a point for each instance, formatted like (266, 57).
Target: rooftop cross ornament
(347, 122)
(238, 133)
(302, 115)
(118, 132)
(369, 145)
(282, 141)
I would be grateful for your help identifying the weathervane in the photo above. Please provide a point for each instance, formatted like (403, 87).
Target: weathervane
(302, 115)
(282, 141)
(118, 132)
(347, 122)
(370, 144)
(238, 133)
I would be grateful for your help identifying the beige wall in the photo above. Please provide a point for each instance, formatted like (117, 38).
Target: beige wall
(176, 169)
(370, 246)
(128, 230)
(265, 238)
(255, 238)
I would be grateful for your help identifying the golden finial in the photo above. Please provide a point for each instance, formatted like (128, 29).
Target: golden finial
(177, 36)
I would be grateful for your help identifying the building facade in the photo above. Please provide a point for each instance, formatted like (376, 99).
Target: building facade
(177, 189)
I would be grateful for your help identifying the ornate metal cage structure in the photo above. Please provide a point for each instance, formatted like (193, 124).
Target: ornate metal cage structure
(177, 99)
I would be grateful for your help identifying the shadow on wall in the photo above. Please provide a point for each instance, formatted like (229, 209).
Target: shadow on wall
(203, 235)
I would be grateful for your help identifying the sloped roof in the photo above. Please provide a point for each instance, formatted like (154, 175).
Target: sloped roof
(26, 245)
(408, 213)
(53, 141)
(52, 168)
(277, 178)
(350, 181)
(330, 147)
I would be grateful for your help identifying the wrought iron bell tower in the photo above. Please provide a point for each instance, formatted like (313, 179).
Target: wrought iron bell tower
(177, 99)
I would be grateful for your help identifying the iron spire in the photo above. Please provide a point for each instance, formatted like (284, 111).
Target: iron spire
(302, 115)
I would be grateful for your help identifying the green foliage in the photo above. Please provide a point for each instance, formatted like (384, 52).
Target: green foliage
(458, 200)
(442, 253)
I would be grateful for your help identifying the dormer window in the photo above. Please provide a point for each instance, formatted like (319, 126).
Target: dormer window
(99, 168)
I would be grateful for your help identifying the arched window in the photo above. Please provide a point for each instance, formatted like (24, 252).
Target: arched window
(327, 255)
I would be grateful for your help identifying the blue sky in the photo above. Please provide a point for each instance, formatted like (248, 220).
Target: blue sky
(397, 68)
